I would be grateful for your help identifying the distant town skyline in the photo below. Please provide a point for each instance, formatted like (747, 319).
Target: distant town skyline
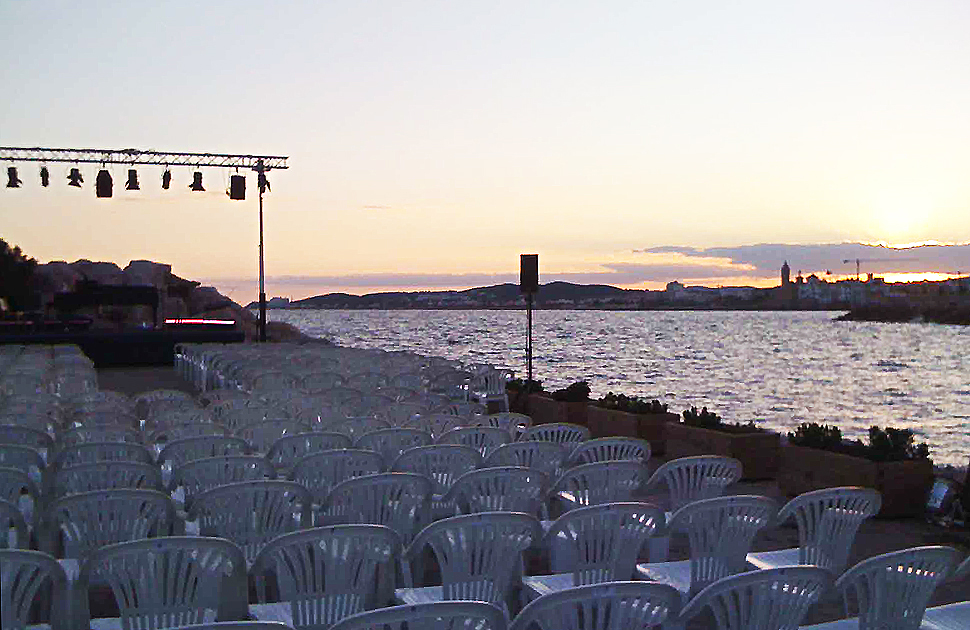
(430, 144)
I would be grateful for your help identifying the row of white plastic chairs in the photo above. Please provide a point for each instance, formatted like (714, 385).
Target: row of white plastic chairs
(888, 591)
(61, 370)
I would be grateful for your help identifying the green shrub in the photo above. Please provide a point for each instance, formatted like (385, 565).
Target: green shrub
(577, 392)
(705, 419)
(524, 385)
(631, 404)
(885, 445)
(815, 435)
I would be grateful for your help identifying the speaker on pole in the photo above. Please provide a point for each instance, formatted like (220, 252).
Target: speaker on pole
(237, 187)
(529, 273)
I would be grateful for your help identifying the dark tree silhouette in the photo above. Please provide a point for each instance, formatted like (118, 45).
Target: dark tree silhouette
(16, 273)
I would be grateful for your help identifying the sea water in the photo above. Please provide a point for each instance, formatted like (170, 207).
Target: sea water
(778, 369)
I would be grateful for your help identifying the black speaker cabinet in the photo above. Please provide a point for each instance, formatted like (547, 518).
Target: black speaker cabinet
(237, 187)
(529, 273)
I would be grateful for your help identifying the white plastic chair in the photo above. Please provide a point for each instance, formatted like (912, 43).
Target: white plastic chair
(320, 472)
(610, 449)
(499, 489)
(600, 482)
(26, 436)
(771, 599)
(238, 625)
(482, 439)
(19, 489)
(317, 382)
(95, 452)
(356, 427)
(252, 513)
(289, 449)
(954, 616)
(397, 500)
(607, 606)
(479, 556)
(165, 583)
(688, 479)
(180, 452)
(565, 434)
(438, 423)
(488, 386)
(393, 441)
(263, 434)
(442, 464)
(514, 423)
(546, 457)
(598, 543)
(24, 575)
(105, 476)
(14, 533)
(402, 414)
(81, 523)
(827, 524)
(367, 382)
(450, 383)
(199, 475)
(892, 590)
(471, 615)
(322, 575)
(85, 435)
(720, 532)
(24, 458)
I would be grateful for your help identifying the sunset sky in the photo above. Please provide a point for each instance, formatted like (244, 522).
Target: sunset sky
(430, 143)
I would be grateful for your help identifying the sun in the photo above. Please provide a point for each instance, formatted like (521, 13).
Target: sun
(899, 217)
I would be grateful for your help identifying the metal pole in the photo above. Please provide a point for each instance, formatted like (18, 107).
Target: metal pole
(528, 341)
(262, 285)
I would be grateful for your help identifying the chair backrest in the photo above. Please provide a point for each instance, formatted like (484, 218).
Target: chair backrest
(610, 449)
(25, 436)
(106, 476)
(462, 408)
(180, 452)
(692, 478)
(15, 482)
(451, 383)
(392, 442)
(482, 439)
(320, 472)
(367, 382)
(316, 382)
(326, 573)
(477, 615)
(442, 463)
(607, 606)
(771, 599)
(546, 457)
(514, 423)
(168, 582)
(200, 475)
(489, 382)
(720, 532)
(90, 520)
(12, 518)
(499, 489)
(892, 590)
(356, 427)
(161, 436)
(437, 423)
(94, 452)
(261, 435)
(827, 522)
(251, 513)
(606, 538)
(402, 414)
(601, 482)
(563, 433)
(285, 452)
(22, 458)
(24, 574)
(84, 435)
(476, 553)
(411, 380)
(400, 501)
(397, 394)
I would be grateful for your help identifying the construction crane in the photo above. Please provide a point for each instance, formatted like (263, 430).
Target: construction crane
(859, 261)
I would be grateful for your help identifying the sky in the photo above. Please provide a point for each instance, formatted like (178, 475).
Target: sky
(431, 143)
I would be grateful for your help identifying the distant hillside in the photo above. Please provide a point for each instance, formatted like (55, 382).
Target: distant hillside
(499, 296)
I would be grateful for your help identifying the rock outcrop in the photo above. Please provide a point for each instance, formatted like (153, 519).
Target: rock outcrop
(177, 297)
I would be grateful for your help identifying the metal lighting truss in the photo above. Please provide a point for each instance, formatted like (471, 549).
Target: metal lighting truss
(137, 156)
(258, 163)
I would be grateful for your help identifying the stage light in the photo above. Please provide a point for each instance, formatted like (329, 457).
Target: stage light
(12, 180)
(263, 183)
(132, 183)
(75, 179)
(103, 184)
(237, 187)
(45, 176)
(196, 184)
(166, 179)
